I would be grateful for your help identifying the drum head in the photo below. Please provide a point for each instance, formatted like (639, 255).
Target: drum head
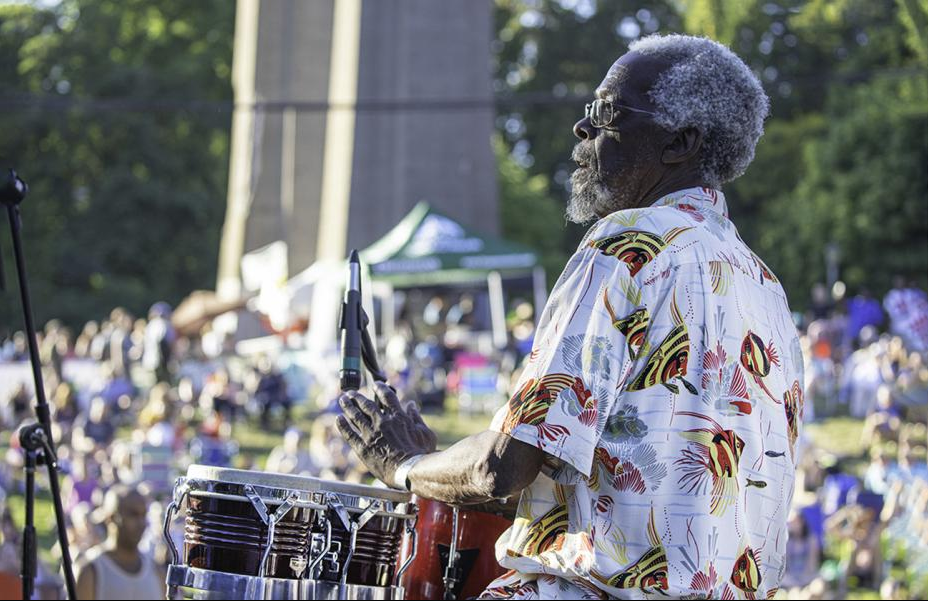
(291, 482)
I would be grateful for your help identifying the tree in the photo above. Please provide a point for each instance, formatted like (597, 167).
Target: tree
(716, 19)
(528, 212)
(851, 170)
(128, 176)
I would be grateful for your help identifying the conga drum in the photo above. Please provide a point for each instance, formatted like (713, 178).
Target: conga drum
(455, 556)
(261, 535)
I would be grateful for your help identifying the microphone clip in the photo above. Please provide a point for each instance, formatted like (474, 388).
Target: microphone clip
(357, 346)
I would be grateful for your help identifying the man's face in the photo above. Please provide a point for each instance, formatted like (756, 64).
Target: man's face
(132, 519)
(620, 163)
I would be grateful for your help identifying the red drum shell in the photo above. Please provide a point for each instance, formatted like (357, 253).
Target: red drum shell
(477, 534)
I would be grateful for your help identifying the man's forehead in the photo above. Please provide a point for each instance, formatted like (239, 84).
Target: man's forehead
(616, 76)
(631, 75)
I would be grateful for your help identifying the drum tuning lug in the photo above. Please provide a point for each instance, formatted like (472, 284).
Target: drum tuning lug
(338, 508)
(298, 565)
(332, 564)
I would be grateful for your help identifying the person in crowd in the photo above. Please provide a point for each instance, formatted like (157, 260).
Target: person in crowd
(213, 444)
(82, 482)
(85, 339)
(100, 345)
(159, 341)
(330, 453)
(861, 375)
(907, 307)
(65, 410)
(156, 424)
(116, 569)
(10, 553)
(878, 473)
(271, 392)
(885, 421)
(121, 343)
(17, 406)
(911, 465)
(221, 395)
(855, 532)
(838, 484)
(94, 430)
(292, 457)
(53, 349)
(862, 310)
(803, 555)
(83, 532)
(821, 304)
(117, 390)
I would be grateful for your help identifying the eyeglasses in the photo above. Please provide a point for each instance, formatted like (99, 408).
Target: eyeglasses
(603, 112)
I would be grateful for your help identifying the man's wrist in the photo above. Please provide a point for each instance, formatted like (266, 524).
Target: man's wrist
(401, 475)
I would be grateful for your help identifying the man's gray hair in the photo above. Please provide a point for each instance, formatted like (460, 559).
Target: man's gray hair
(708, 87)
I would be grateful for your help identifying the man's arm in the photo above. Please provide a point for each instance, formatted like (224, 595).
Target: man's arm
(482, 468)
(86, 582)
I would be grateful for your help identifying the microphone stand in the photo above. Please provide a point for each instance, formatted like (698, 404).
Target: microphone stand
(36, 439)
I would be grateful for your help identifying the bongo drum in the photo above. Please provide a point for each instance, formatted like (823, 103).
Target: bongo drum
(456, 556)
(255, 535)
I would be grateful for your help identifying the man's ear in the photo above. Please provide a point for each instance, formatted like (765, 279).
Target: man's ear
(682, 146)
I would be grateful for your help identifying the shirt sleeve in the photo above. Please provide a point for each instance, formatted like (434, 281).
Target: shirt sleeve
(568, 386)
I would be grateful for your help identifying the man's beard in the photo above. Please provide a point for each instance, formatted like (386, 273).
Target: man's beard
(591, 195)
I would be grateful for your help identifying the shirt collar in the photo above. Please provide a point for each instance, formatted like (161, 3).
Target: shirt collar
(698, 198)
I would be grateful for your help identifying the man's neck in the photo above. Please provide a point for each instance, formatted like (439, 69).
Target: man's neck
(127, 558)
(670, 184)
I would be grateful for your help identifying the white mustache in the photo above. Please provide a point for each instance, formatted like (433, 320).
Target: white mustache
(583, 155)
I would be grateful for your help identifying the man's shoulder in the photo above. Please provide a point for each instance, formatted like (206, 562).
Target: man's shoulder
(90, 557)
(669, 225)
(661, 237)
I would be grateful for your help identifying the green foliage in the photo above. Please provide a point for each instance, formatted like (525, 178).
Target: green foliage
(866, 187)
(528, 212)
(914, 15)
(716, 19)
(128, 178)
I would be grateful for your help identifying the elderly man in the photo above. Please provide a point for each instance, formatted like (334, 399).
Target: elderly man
(651, 440)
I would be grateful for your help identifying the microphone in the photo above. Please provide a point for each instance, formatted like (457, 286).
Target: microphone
(351, 323)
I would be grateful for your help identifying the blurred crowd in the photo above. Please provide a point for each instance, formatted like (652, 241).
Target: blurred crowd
(860, 517)
(134, 403)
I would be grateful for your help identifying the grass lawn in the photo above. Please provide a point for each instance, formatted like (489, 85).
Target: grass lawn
(838, 435)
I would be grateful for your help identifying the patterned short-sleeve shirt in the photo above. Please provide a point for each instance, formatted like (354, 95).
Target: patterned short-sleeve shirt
(665, 388)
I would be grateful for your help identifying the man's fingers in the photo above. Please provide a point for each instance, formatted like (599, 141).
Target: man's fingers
(425, 434)
(387, 397)
(413, 412)
(359, 419)
(368, 407)
(348, 432)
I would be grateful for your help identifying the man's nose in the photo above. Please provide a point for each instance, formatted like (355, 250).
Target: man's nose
(584, 130)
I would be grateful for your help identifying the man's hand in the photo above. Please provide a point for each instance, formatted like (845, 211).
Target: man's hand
(382, 433)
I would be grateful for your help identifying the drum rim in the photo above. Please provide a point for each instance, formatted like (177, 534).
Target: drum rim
(184, 576)
(292, 482)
